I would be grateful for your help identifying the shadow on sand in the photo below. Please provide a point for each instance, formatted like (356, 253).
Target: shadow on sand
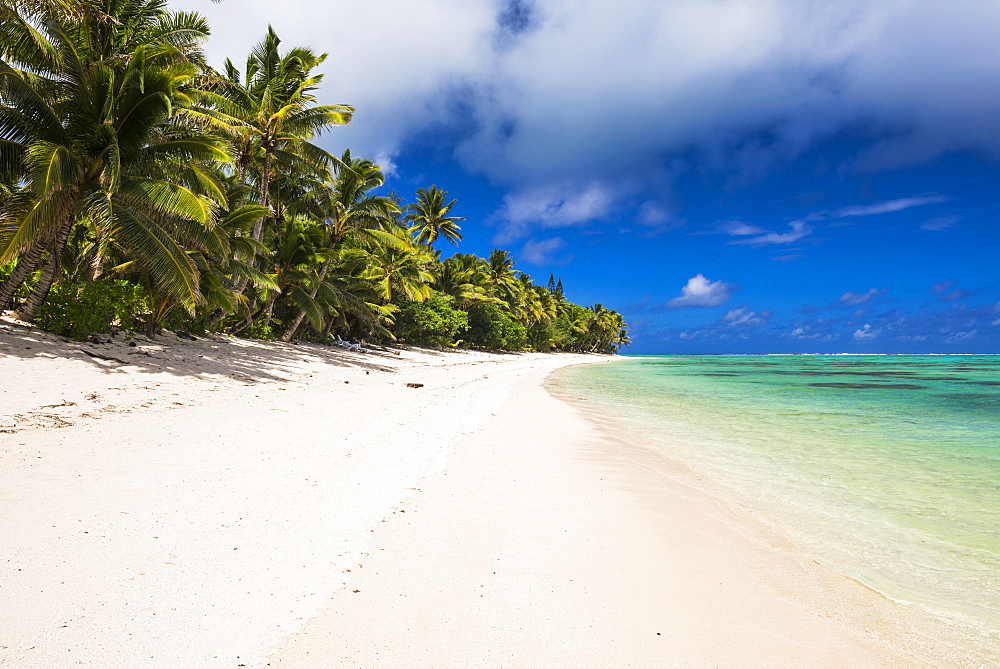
(207, 356)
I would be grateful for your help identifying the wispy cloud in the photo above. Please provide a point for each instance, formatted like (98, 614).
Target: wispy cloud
(946, 291)
(940, 223)
(867, 333)
(701, 292)
(545, 252)
(739, 229)
(887, 207)
(742, 317)
(797, 232)
(855, 299)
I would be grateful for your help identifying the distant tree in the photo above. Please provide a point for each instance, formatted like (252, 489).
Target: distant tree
(433, 322)
(492, 328)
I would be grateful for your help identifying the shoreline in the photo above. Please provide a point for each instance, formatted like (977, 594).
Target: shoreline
(156, 514)
(553, 542)
(938, 631)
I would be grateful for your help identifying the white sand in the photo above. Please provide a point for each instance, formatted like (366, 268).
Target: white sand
(214, 503)
(196, 506)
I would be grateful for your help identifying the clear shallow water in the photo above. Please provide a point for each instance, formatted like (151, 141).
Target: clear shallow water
(884, 468)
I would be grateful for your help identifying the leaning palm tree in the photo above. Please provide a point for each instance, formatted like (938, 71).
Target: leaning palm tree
(86, 111)
(430, 219)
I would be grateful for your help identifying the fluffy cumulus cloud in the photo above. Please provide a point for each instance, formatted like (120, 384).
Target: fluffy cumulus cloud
(398, 62)
(701, 292)
(585, 92)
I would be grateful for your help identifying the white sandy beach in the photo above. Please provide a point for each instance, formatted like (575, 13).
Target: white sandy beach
(222, 502)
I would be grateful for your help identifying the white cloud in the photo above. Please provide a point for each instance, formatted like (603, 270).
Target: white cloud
(887, 207)
(940, 223)
(390, 59)
(556, 206)
(743, 317)
(802, 333)
(701, 292)
(617, 92)
(739, 229)
(541, 252)
(961, 336)
(854, 299)
(867, 333)
(797, 232)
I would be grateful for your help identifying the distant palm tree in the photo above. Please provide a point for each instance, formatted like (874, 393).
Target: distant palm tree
(349, 206)
(430, 219)
(463, 276)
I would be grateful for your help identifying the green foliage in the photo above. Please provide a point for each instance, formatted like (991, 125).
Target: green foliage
(430, 323)
(124, 155)
(492, 328)
(79, 310)
(543, 335)
(260, 329)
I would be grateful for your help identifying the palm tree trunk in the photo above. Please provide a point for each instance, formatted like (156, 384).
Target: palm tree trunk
(262, 198)
(96, 268)
(290, 332)
(29, 309)
(215, 318)
(25, 266)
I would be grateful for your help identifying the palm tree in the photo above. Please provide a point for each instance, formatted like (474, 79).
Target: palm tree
(429, 215)
(270, 112)
(463, 276)
(351, 207)
(86, 111)
(400, 271)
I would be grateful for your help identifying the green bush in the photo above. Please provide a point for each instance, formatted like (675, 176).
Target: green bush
(492, 328)
(430, 323)
(78, 310)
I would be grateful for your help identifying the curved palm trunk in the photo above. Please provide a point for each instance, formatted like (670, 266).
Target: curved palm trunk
(25, 266)
(290, 332)
(96, 267)
(29, 309)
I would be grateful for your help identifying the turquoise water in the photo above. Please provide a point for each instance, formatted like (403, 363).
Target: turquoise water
(884, 468)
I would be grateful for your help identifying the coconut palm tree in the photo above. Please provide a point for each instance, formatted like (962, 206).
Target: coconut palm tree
(399, 270)
(269, 112)
(86, 111)
(350, 206)
(463, 276)
(430, 219)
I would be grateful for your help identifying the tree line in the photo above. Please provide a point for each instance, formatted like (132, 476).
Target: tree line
(141, 187)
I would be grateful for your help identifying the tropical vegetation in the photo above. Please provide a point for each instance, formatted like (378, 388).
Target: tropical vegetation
(142, 189)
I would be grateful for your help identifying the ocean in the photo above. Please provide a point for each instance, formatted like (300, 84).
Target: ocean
(885, 469)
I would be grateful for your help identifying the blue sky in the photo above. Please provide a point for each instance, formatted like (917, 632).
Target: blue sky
(733, 176)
